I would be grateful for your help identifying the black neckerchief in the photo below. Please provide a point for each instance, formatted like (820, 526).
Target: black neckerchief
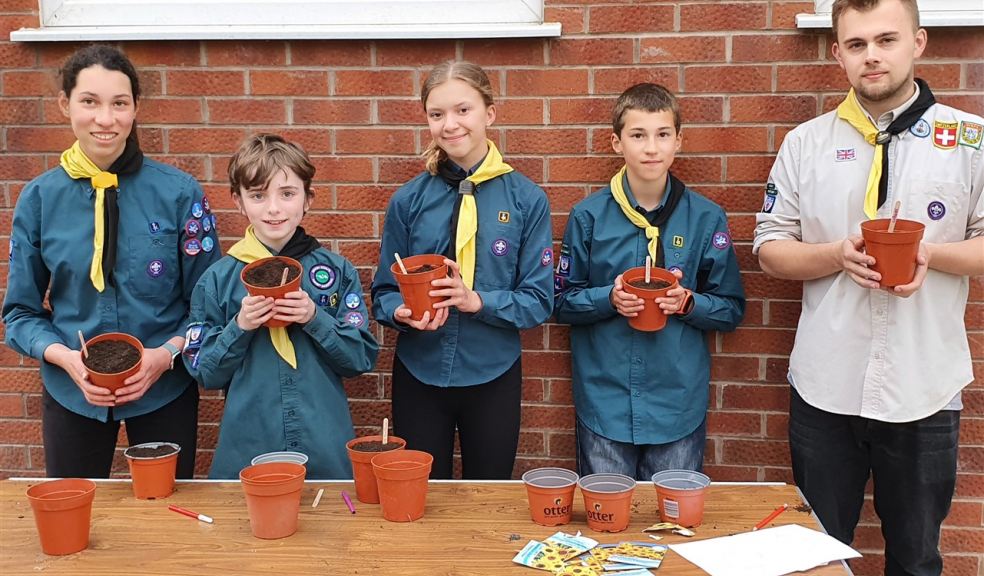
(453, 176)
(300, 245)
(129, 162)
(900, 124)
(658, 220)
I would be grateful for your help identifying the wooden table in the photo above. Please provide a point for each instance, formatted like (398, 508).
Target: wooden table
(469, 528)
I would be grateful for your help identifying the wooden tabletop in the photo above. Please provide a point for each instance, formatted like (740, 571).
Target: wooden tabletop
(469, 528)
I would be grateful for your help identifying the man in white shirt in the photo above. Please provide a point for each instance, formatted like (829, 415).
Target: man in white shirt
(876, 373)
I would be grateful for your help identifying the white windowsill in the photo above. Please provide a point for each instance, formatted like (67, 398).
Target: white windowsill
(285, 32)
(927, 19)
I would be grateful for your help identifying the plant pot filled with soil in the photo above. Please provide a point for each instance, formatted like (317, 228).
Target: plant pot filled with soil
(651, 318)
(152, 467)
(415, 285)
(112, 358)
(360, 451)
(894, 252)
(264, 277)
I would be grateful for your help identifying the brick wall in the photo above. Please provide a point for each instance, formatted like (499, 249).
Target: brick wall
(745, 76)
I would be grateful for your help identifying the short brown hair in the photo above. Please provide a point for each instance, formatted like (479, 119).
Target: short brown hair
(260, 156)
(647, 97)
(867, 5)
(471, 74)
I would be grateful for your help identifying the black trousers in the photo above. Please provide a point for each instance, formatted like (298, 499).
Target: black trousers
(76, 446)
(913, 466)
(486, 417)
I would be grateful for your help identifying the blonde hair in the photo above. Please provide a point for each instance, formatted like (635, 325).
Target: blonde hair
(841, 6)
(470, 74)
(260, 156)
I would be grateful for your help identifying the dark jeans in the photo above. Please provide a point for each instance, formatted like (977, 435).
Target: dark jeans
(76, 446)
(486, 417)
(597, 454)
(913, 466)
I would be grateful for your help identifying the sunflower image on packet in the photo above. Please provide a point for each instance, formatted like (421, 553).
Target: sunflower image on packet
(540, 556)
(570, 545)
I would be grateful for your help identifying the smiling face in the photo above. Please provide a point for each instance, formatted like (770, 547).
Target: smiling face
(458, 118)
(877, 50)
(102, 110)
(649, 142)
(276, 210)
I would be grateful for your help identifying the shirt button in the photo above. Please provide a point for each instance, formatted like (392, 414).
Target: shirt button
(637, 393)
(290, 412)
(108, 308)
(293, 444)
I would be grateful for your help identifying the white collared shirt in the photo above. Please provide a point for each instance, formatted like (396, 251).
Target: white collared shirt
(865, 352)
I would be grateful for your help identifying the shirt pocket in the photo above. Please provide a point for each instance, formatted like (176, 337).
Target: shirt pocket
(497, 255)
(941, 206)
(153, 265)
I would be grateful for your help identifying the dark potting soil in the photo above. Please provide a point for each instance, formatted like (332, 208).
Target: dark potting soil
(148, 452)
(111, 356)
(421, 269)
(374, 446)
(268, 274)
(651, 285)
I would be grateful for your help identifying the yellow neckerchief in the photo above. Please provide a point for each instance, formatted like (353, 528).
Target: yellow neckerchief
(78, 165)
(467, 229)
(652, 232)
(250, 249)
(851, 111)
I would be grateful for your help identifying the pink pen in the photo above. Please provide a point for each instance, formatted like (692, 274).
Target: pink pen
(348, 501)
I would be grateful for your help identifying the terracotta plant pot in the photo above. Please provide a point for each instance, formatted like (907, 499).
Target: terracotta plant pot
(273, 497)
(62, 511)
(114, 380)
(607, 501)
(651, 318)
(894, 252)
(551, 495)
(402, 479)
(153, 476)
(415, 286)
(273, 291)
(365, 480)
(680, 494)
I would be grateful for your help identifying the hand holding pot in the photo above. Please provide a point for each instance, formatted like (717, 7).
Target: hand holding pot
(628, 305)
(294, 307)
(402, 315)
(155, 362)
(255, 311)
(453, 287)
(856, 263)
(675, 299)
(71, 362)
(922, 266)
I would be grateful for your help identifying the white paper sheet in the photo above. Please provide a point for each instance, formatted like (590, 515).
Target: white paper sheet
(768, 552)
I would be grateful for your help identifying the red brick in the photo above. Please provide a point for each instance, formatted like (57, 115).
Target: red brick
(313, 140)
(547, 417)
(423, 53)
(561, 445)
(749, 168)
(734, 198)
(695, 170)
(20, 167)
(561, 392)
(21, 111)
(549, 82)
(767, 109)
(330, 53)
(548, 364)
(975, 76)
(373, 83)
(965, 513)
(616, 80)
(722, 16)
(20, 432)
(365, 387)
(757, 452)
(583, 169)
(399, 170)
(163, 53)
(810, 77)
(343, 169)
(494, 53)
(206, 82)
(734, 368)
(776, 47)
(777, 426)
(247, 111)
(580, 110)
(726, 139)
(170, 111)
(534, 390)
(571, 19)
(11, 22)
(539, 141)
(379, 141)
(29, 83)
(12, 458)
(401, 112)
(11, 406)
(216, 140)
(728, 78)
(333, 111)
(964, 101)
(288, 83)
(519, 111)
(630, 18)
(39, 139)
(961, 539)
(742, 424)
(369, 412)
(363, 197)
(532, 338)
(672, 49)
(962, 565)
(756, 397)
(784, 13)
(16, 55)
(360, 253)
(20, 6)
(776, 370)
(940, 76)
(531, 444)
(235, 53)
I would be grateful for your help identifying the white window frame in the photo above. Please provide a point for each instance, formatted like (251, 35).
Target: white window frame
(931, 13)
(75, 20)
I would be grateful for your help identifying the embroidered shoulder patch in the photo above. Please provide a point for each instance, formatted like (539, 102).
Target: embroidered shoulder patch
(971, 134)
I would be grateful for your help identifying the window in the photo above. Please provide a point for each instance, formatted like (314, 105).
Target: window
(286, 19)
(931, 13)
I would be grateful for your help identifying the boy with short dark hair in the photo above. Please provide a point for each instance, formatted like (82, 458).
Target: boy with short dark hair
(641, 397)
(284, 389)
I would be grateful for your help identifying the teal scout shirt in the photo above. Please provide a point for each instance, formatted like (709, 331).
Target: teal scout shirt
(513, 275)
(644, 387)
(167, 239)
(270, 406)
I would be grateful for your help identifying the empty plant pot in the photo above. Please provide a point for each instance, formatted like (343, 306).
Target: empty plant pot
(62, 511)
(401, 476)
(273, 497)
(551, 495)
(680, 495)
(894, 252)
(607, 501)
(282, 456)
(415, 285)
(651, 318)
(274, 289)
(152, 467)
(121, 357)
(361, 457)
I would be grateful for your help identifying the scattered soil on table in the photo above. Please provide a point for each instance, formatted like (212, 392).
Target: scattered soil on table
(421, 269)
(148, 452)
(374, 446)
(268, 274)
(804, 508)
(111, 356)
(651, 285)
